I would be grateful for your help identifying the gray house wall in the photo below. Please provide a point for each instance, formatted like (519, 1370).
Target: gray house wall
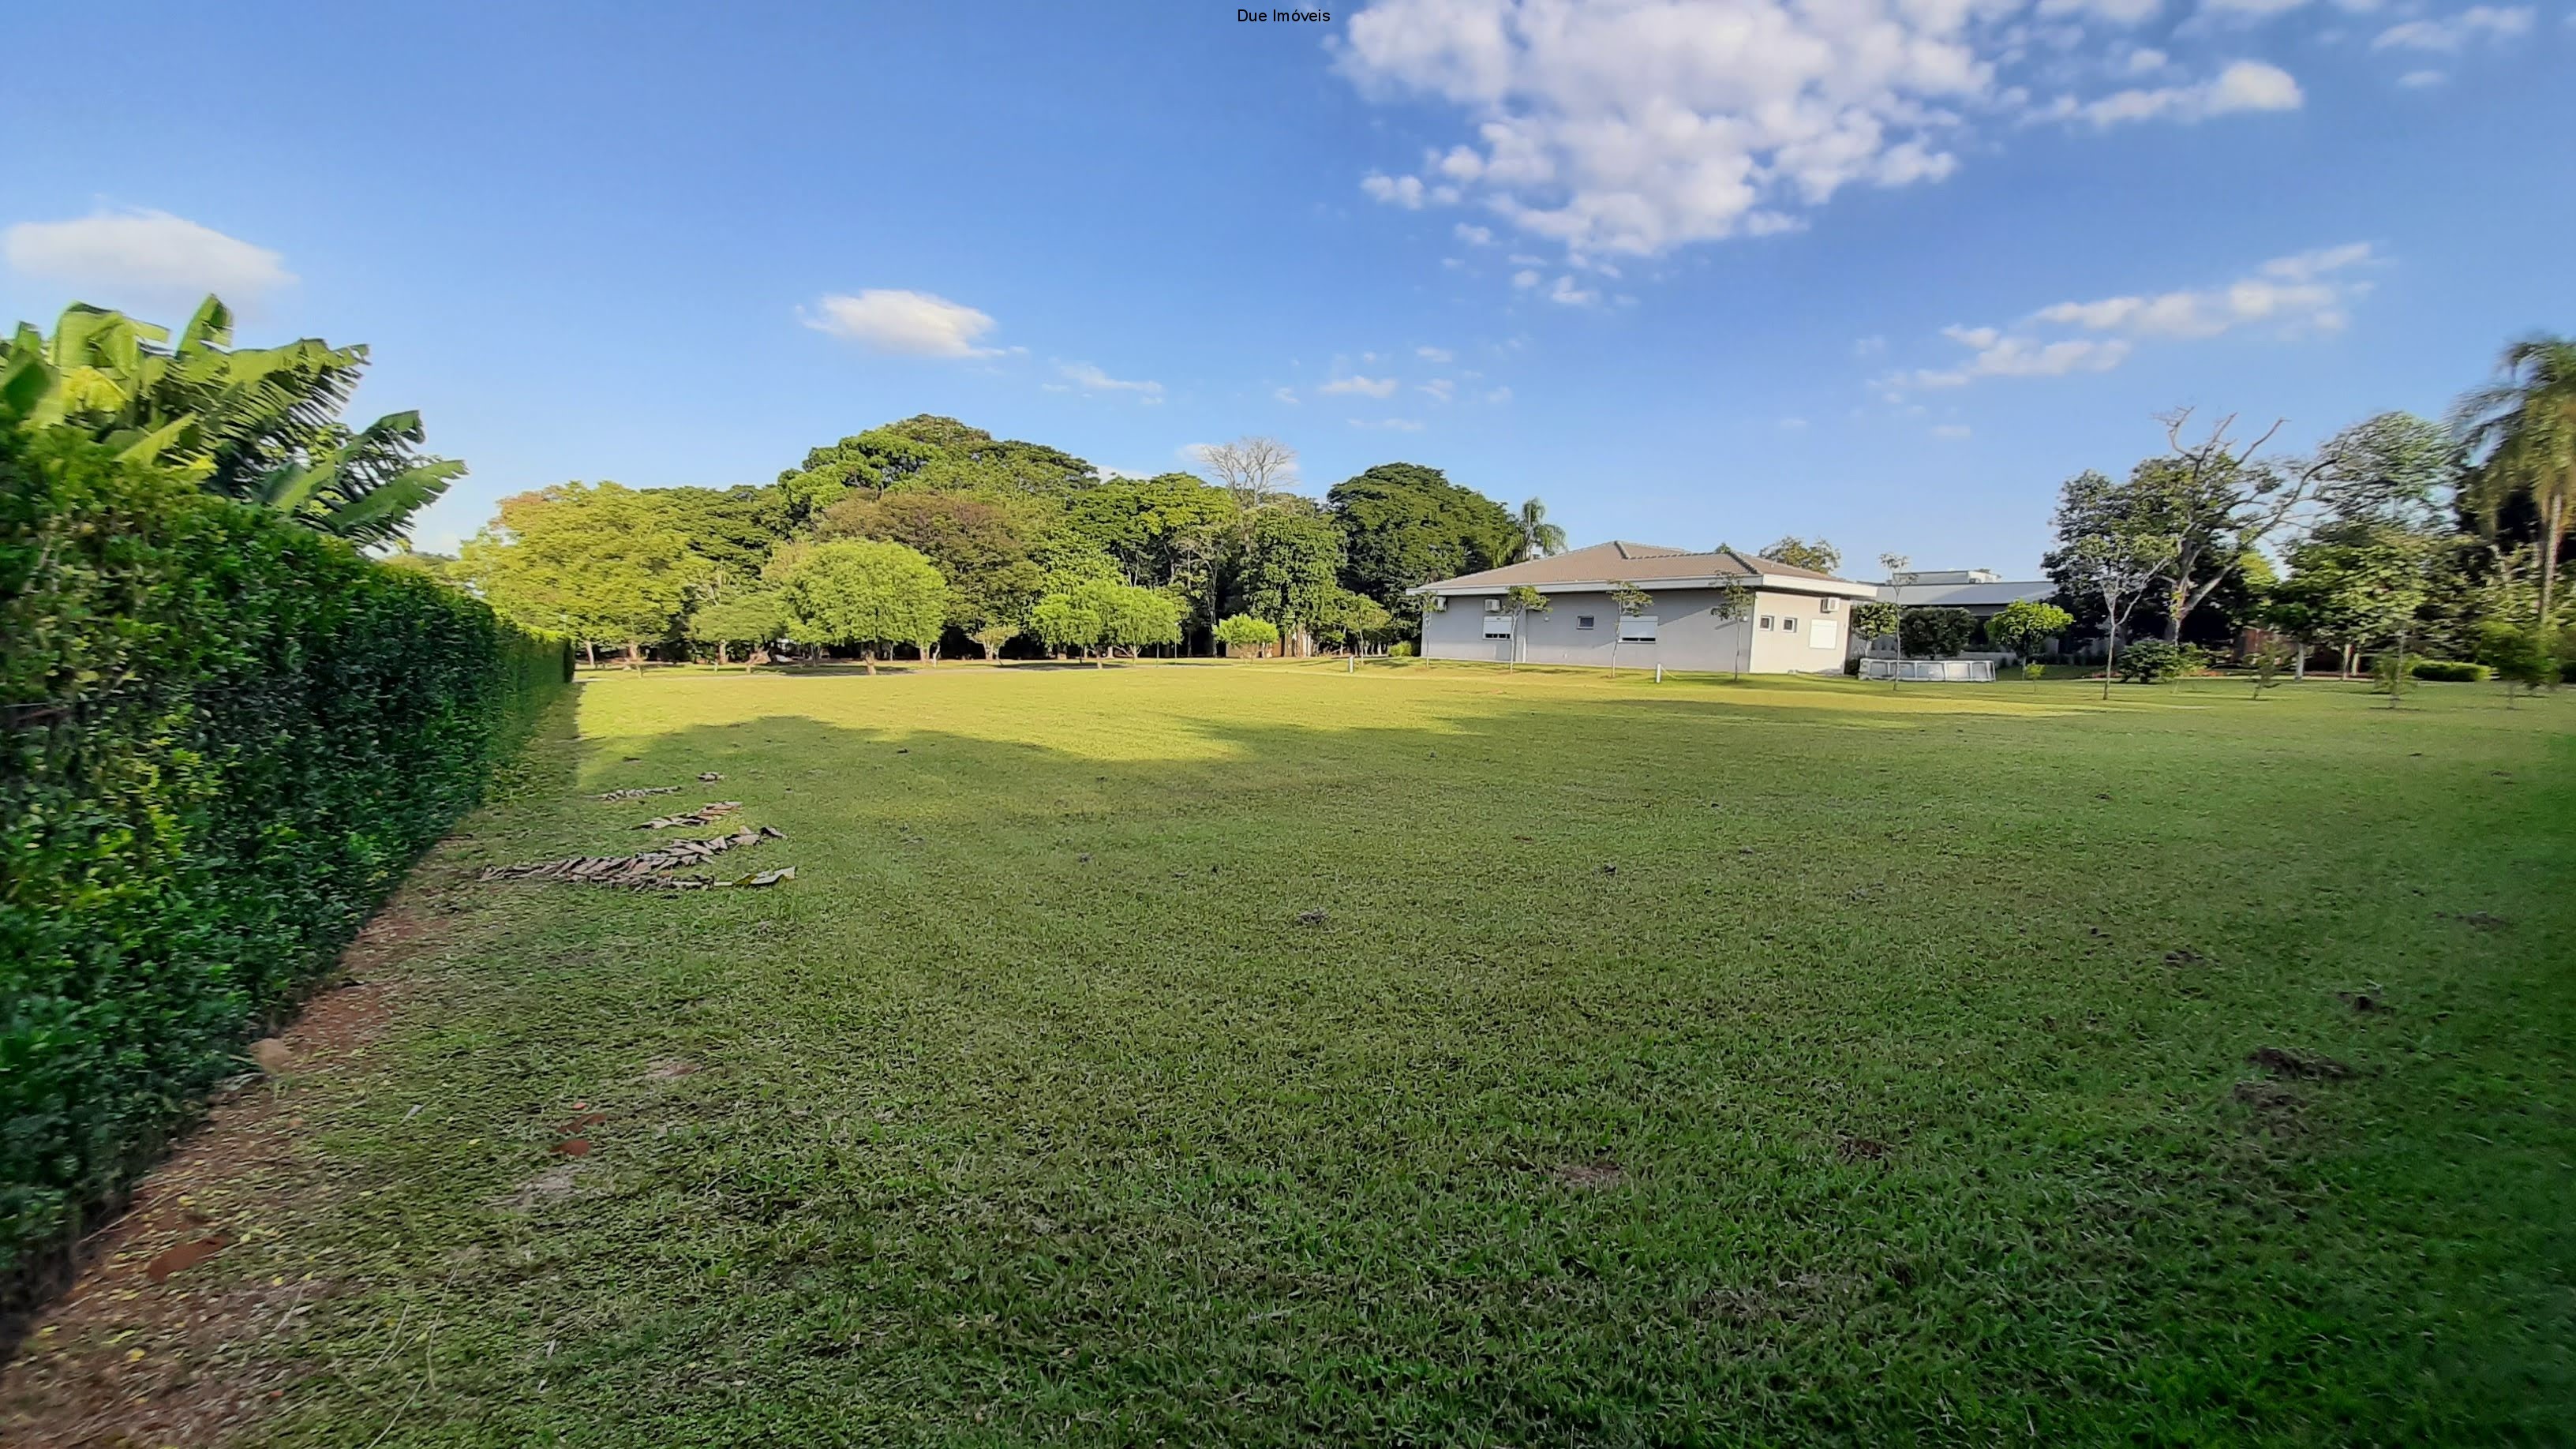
(1689, 635)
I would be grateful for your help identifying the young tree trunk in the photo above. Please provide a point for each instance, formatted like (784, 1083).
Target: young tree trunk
(590, 650)
(635, 655)
(721, 660)
(869, 655)
(2553, 519)
(2110, 657)
(2346, 671)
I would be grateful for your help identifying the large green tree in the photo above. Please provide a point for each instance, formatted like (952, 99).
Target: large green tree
(864, 592)
(1805, 553)
(600, 563)
(976, 544)
(932, 454)
(1291, 570)
(1404, 525)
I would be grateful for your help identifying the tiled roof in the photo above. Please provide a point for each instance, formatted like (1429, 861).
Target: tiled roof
(1635, 563)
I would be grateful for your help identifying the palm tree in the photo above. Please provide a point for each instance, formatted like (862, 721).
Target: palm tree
(258, 424)
(2523, 432)
(1539, 538)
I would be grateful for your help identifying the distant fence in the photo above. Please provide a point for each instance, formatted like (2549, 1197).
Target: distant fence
(1930, 671)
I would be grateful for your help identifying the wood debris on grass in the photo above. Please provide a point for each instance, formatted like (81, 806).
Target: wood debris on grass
(651, 869)
(709, 777)
(707, 814)
(638, 793)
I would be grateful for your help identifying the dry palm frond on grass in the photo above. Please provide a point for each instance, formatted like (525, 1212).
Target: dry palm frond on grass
(650, 870)
(707, 814)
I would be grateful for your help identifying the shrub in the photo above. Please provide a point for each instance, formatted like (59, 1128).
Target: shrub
(2148, 661)
(2193, 659)
(1401, 649)
(226, 738)
(1935, 633)
(1243, 634)
(1851, 667)
(2451, 671)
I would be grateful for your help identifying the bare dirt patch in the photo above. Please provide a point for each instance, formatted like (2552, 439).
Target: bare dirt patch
(2283, 1063)
(1589, 1174)
(156, 1341)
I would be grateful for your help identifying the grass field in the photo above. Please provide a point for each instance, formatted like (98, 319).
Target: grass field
(1268, 1055)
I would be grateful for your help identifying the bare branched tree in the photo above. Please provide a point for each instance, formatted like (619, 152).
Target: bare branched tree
(1256, 470)
(2218, 501)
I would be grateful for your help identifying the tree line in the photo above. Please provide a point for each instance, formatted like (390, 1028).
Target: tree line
(928, 536)
(2396, 537)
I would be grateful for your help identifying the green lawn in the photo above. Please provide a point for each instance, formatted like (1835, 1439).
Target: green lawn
(1695, 1063)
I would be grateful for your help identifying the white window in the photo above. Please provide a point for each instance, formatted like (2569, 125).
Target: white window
(1766, 621)
(1826, 606)
(1498, 626)
(1820, 634)
(1493, 606)
(1583, 621)
(1637, 630)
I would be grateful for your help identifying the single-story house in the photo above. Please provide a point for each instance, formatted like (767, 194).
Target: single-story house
(1796, 623)
(1984, 593)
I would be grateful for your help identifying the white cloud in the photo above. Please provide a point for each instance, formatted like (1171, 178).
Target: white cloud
(2244, 85)
(1091, 379)
(1566, 294)
(1407, 191)
(1499, 396)
(2116, 12)
(2416, 80)
(913, 324)
(2453, 32)
(2248, 9)
(1475, 236)
(2306, 293)
(1439, 387)
(1793, 425)
(1286, 395)
(1434, 354)
(151, 251)
(1950, 430)
(1398, 425)
(1870, 346)
(1638, 126)
(1367, 386)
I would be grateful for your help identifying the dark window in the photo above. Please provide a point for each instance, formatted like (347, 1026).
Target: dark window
(1583, 621)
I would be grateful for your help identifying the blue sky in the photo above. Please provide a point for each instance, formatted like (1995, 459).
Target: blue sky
(1689, 271)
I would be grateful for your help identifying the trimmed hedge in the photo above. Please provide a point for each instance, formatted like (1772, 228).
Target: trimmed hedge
(223, 738)
(2450, 671)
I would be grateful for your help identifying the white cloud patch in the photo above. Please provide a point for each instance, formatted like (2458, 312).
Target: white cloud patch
(1434, 354)
(2249, 9)
(1286, 395)
(2244, 85)
(1091, 379)
(1950, 431)
(1439, 387)
(2416, 80)
(2304, 294)
(1793, 425)
(1566, 294)
(150, 251)
(1499, 396)
(1395, 425)
(1637, 126)
(1365, 386)
(1474, 236)
(2452, 33)
(2115, 12)
(909, 324)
